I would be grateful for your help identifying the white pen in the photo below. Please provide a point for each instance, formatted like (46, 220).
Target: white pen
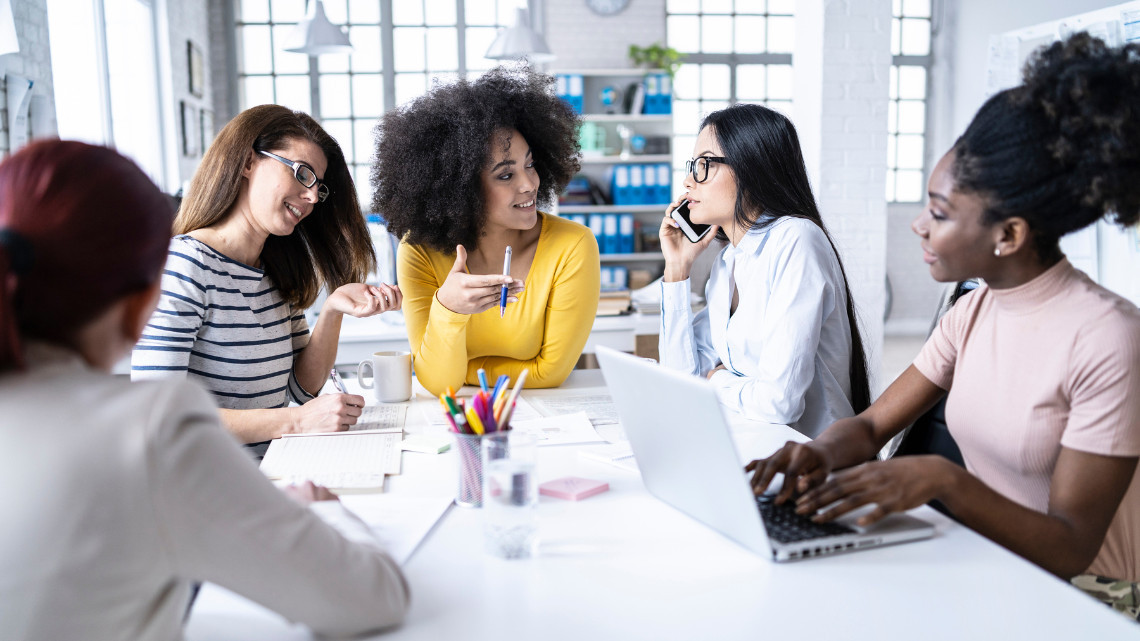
(506, 272)
(339, 384)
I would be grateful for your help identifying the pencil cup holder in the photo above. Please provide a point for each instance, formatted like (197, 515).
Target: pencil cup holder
(470, 490)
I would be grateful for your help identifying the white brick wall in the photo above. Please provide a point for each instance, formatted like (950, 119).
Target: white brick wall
(33, 60)
(842, 64)
(187, 21)
(581, 39)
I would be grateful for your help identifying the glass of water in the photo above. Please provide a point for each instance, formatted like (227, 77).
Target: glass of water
(510, 494)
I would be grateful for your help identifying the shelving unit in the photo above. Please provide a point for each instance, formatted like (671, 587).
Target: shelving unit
(600, 160)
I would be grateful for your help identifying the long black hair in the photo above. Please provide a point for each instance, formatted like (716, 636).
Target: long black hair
(763, 150)
(1061, 150)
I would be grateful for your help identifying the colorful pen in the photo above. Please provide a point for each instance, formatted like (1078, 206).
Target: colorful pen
(482, 373)
(506, 272)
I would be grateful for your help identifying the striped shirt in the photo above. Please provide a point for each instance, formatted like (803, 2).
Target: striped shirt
(225, 325)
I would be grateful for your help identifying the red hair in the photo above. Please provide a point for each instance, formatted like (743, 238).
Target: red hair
(82, 227)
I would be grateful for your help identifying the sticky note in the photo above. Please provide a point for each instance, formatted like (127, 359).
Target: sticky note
(572, 488)
(426, 444)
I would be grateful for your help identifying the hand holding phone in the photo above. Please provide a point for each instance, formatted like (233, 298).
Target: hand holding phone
(693, 231)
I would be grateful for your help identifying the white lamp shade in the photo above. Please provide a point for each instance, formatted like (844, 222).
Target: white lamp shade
(519, 41)
(315, 35)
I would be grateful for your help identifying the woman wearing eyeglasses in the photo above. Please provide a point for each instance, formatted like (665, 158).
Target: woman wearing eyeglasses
(779, 338)
(271, 217)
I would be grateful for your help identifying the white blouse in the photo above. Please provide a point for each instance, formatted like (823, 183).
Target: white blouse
(787, 349)
(119, 495)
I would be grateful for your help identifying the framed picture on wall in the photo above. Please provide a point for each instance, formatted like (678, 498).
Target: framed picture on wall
(196, 68)
(191, 136)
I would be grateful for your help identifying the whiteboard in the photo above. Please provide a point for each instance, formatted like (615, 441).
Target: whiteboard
(1108, 254)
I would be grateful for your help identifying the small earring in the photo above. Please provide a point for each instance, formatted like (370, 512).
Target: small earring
(997, 251)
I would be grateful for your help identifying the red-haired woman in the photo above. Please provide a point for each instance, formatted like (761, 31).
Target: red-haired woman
(138, 489)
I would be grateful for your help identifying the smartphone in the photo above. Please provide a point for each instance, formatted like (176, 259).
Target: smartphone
(693, 231)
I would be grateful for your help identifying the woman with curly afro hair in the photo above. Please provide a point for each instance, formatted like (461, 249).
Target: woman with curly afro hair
(1041, 364)
(459, 175)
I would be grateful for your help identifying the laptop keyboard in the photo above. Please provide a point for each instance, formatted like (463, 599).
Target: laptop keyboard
(785, 526)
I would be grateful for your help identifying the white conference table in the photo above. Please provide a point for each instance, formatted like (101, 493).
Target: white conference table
(623, 565)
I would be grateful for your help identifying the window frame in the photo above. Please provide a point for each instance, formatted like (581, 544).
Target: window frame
(926, 62)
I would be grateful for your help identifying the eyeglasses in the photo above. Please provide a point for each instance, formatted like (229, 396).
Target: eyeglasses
(699, 167)
(303, 173)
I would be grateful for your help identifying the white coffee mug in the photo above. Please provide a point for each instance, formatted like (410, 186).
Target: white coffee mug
(390, 375)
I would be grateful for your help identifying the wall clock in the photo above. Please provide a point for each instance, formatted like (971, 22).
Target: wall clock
(607, 7)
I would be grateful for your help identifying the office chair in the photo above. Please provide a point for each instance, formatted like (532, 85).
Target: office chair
(929, 434)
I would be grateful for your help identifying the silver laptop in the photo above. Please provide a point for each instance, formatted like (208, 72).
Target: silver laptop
(687, 458)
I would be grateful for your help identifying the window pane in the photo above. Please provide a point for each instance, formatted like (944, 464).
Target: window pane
(893, 117)
(687, 82)
(287, 61)
(915, 37)
(335, 96)
(287, 10)
(365, 49)
(75, 71)
(782, 106)
(751, 82)
(896, 47)
(363, 188)
(782, 7)
(442, 78)
(133, 85)
(916, 8)
(293, 92)
(910, 152)
(439, 12)
(506, 11)
(256, 50)
(479, 12)
(409, 44)
(682, 6)
(341, 131)
(410, 86)
(254, 11)
(892, 151)
(896, 8)
(363, 139)
(750, 6)
(443, 49)
(716, 34)
(912, 82)
(336, 11)
(256, 90)
(780, 82)
(335, 62)
(682, 33)
(364, 11)
(781, 35)
(750, 34)
(912, 117)
(479, 40)
(908, 186)
(716, 6)
(368, 95)
(408, 12)
(686, 120)
(715, 82)
(709, 106)
(894, 83)
(890, 186)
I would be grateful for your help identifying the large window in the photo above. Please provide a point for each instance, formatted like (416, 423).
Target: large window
(907, 118)
(399, 48)
(735, 51)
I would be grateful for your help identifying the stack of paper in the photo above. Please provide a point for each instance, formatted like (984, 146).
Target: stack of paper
(338, 461)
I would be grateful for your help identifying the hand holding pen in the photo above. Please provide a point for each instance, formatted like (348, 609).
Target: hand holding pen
(465, 293)
(327, 412)
(506, 273)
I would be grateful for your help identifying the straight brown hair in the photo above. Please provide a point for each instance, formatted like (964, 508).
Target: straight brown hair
(330, 247)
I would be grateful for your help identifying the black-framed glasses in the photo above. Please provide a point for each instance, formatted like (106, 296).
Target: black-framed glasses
(699, 167)
(303, 173)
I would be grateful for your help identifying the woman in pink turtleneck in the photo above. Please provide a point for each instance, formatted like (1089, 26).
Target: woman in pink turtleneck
(1041, 364)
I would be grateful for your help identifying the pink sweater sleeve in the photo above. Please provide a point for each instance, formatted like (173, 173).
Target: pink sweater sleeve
(1103, 386)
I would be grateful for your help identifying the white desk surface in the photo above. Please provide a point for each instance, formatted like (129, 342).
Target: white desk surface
(623, 565)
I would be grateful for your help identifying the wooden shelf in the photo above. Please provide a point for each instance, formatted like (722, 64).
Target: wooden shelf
(632, 159)
(610, 209)
(636, 257)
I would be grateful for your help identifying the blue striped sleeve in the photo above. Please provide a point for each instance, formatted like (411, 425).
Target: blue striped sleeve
(164, 349)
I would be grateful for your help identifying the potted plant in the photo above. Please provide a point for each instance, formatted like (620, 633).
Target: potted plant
(656, 56)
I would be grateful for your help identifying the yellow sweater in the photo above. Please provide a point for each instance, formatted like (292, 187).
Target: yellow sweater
(543, 332)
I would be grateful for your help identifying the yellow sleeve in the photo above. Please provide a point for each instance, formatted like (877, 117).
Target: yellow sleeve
(570, 313)
(437, 335)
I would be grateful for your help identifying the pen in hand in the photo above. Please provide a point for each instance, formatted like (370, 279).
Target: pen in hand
(506, 272)
(336, 381)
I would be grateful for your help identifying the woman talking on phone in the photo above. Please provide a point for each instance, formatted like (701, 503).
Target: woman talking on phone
(779, 337)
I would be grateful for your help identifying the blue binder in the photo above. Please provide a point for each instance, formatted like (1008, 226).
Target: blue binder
(625, 233)
(637, 185)
(610, 240)
(598, 226)
(620, 191)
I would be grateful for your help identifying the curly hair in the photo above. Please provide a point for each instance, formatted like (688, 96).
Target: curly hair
(430, 153)
(1062, 150)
